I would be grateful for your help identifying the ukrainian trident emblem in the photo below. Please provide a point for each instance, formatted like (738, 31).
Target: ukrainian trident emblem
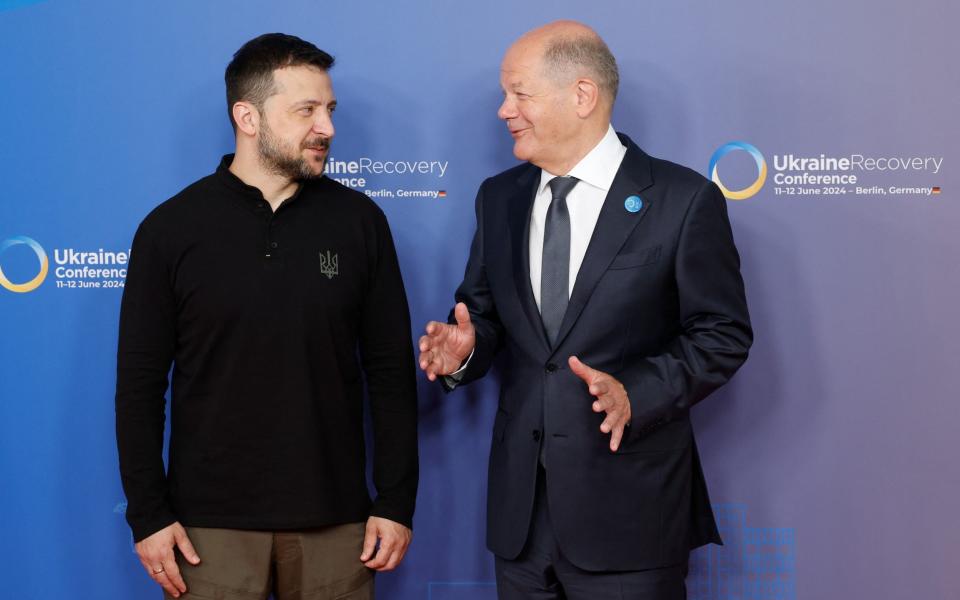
(329, 265)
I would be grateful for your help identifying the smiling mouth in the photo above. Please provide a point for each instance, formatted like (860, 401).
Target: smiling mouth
(516, 132)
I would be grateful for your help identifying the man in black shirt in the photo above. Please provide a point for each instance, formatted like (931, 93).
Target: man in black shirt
(269, 289)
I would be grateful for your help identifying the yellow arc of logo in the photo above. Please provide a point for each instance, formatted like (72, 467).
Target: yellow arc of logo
(745, 192)
(22, 288)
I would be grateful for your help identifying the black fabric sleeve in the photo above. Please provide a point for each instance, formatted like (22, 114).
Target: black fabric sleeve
(144, 355)
(386, 355)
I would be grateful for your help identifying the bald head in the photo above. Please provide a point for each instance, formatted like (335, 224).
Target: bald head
(558, 82)
(569, 51)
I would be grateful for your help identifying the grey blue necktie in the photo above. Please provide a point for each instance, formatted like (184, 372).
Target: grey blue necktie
(555, 266)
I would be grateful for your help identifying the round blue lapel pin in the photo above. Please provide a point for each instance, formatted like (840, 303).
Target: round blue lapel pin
(633, 204)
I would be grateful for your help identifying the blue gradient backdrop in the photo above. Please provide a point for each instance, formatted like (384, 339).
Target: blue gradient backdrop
(831, 456)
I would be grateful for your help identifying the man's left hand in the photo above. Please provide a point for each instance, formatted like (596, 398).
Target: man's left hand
(394, 539)
(611, 398)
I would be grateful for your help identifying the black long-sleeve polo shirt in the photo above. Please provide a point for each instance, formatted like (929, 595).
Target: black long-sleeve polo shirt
(270, 321)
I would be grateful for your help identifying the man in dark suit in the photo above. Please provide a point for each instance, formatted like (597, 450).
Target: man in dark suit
(611, 281)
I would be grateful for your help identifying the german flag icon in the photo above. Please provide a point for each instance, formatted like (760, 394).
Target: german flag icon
(936, 189)
(443, 193)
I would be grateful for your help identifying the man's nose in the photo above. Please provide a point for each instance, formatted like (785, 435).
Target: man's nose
(323, 125)
(508, 109)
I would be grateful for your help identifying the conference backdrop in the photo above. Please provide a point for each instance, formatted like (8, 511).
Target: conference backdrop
(832, 127)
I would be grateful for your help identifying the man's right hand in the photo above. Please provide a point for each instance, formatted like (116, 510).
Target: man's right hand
(156, 555)
(446, 346)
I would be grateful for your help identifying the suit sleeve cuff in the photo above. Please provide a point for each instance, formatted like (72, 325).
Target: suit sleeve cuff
(454, 379)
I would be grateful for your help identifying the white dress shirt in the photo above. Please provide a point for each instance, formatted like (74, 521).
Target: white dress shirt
(596, 172)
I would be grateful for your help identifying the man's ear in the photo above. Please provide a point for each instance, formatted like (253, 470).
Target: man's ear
(247, 118)
(588, 97)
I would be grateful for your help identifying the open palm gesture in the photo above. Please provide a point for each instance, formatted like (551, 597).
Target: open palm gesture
(445, 346)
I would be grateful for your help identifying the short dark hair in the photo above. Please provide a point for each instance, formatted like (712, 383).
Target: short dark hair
(249, 75)
(565, 55)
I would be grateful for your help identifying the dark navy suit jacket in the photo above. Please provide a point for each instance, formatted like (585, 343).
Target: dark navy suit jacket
(659, 304)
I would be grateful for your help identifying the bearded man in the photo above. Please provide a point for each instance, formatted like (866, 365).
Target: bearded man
(275, 294)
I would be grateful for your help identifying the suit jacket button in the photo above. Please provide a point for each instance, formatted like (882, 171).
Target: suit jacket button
(551, 367)
(536, 435)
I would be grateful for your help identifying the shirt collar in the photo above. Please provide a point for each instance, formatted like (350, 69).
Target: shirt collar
(252, 195)
(599, 167)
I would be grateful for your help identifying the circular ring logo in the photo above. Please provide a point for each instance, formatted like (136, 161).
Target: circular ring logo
(34, 283)
(754, 187)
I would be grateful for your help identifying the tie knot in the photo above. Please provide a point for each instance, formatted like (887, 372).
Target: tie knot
(561, 186)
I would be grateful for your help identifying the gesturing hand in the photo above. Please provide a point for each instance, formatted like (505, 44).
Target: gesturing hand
(445, 346)
(611, 398)
(156, 555)
(394, 539)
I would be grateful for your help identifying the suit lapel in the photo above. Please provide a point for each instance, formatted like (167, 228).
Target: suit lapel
(520, 207)
(611, 231)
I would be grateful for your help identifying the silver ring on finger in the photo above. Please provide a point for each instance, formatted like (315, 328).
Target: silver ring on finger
(158, 570)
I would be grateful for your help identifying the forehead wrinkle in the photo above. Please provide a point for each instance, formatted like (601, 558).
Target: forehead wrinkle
(523, 61)
(314, 102)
